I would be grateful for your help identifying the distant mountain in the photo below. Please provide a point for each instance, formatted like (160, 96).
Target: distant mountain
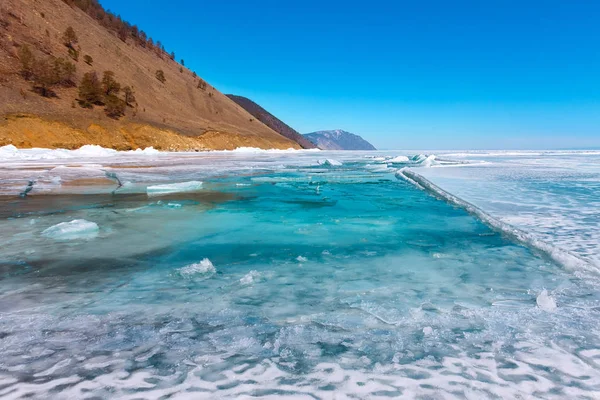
(271, 121)
(338, 140)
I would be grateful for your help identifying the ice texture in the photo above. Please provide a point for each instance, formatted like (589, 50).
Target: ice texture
(76, 229)
(400, 294)
(545, 301)
(203, 267)
(167, 188)
(330, 162)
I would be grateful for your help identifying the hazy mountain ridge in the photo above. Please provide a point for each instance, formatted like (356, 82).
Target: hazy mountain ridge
(271, 121)
(338, 140)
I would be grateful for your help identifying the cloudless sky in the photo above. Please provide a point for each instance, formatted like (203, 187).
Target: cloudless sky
(403, 74)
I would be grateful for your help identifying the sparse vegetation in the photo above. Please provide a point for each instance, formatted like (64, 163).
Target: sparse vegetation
(46, 73)
(88, 59)
(201, 84)
(114, 23)
(160, 75)
(182, 62)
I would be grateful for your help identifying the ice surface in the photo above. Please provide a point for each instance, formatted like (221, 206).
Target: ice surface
(76, 229)
(167, 188)
(397, 294)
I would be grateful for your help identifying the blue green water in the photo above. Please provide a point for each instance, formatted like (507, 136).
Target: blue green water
(326, 282)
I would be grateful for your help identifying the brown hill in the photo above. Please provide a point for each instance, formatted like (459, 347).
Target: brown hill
(272, 121)
(181, 113)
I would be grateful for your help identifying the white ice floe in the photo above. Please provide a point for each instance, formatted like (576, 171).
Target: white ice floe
(204, 267)
(398, 159)
(250, 278)
(545, 302)
(76, 229)
(330, 162)
(168, 188)
(428, 331)
(301, 259)
(559, 255)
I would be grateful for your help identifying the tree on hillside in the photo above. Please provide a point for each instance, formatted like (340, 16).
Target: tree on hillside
(64, 72)
(129, 96)
(90, 90)
(88, 59)
(70, 37)
(114, 107)
(27, 61)
(110, 85)
(182, 62)
(172, 55)
(44, 77)
(160, 75)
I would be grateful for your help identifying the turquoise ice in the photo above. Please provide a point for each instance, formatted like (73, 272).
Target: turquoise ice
(280, 276)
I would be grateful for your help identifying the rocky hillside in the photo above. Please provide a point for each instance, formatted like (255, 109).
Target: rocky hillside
(338, 140)
(54, 91)
(271, 121)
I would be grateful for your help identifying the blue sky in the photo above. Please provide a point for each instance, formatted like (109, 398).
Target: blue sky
(413, 74)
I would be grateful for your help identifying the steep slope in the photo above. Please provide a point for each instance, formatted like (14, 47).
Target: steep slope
(271, 121)
(180, 114)
(338, 140)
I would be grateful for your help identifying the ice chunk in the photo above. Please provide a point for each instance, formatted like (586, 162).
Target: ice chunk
(301, 259)
(250, 278)
(92, 150)
(158, 190)
(330, 162)
(399, 159)
(204, 267)
(428, 331)
(76, 229)
(545, 301)
(148, 151)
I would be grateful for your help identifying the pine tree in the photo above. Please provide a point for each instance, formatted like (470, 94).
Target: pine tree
(160, 75)
(70, 37)
(27, 62)
(129, 96)
(114, 107)
(110, 85)
(90, 90)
